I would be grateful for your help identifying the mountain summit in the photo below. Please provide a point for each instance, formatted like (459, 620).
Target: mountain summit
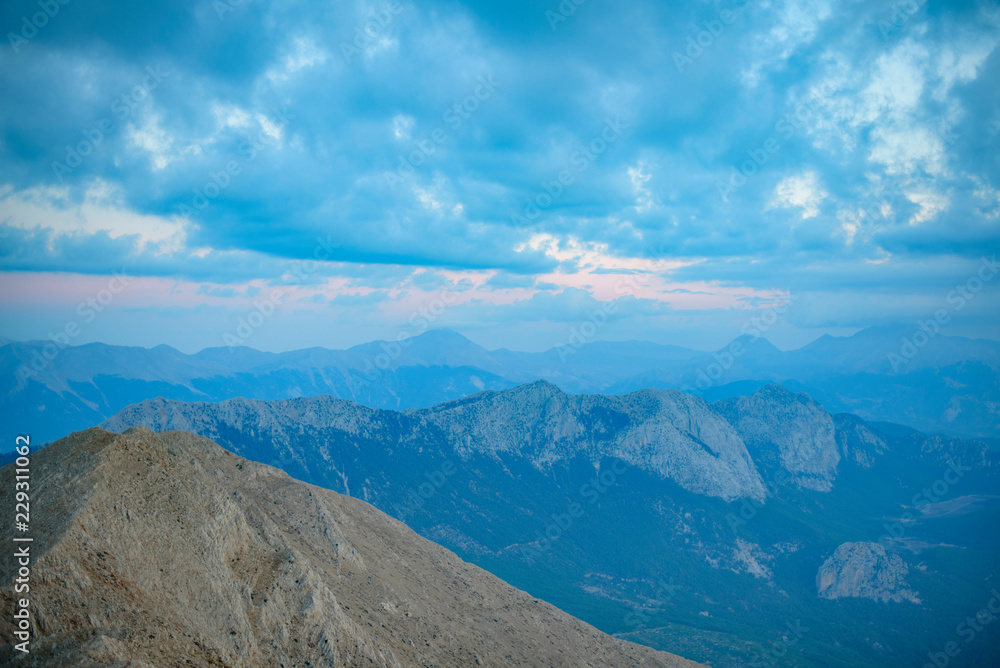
(154, 550)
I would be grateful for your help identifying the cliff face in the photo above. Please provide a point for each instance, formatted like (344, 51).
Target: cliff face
(165, 549)
(864, 570)
(665, 432)
(786, 431)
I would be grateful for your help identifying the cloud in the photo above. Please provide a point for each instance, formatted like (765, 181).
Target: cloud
(52, 212)
(886, 161)
(801, 191)
(930, 205)
(797, 23)
(640, 179)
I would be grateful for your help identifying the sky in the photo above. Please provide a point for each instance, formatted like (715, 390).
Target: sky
(299, 173)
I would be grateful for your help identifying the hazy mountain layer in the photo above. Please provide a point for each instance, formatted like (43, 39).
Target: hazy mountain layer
(951, 385)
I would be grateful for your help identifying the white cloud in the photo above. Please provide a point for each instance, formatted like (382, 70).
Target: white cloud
(886, 102)
(930, 204)
(797, 24)
(904, 150)
(799, 191)
(989, 197)
(231, 116)
(961, 64)
(896, 85)
(273, 130)
(103, 209)
(639, 179)
(429, 198)
(152, 139)
(303, 54)
(439, 198)
(850, 225)
(402, 125)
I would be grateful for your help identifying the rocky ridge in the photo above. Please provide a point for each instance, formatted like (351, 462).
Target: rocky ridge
(665, 432)
(162, 549)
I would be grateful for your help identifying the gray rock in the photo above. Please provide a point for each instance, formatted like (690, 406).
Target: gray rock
(786, 431)
(864, 570)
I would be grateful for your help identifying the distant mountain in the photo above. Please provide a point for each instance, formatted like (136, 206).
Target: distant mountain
(661, 518)
(951, 385)
(869, 350)
(80, 386)
(157, 550)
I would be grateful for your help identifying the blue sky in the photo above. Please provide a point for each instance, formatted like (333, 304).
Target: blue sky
(509, 170)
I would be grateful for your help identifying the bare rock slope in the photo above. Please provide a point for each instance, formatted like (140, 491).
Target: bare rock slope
(786, 431)
(864, 570)
(166, 550)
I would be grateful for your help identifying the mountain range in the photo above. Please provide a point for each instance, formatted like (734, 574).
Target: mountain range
(950, 385)
(166, 550)
(735, 532)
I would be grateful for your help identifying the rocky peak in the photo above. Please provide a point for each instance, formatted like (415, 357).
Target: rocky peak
(665, 432)
(786, 431)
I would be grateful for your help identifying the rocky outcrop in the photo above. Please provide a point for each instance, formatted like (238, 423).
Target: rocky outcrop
(155, 550)
(787, 433)
(864, 570)
(666, 432)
